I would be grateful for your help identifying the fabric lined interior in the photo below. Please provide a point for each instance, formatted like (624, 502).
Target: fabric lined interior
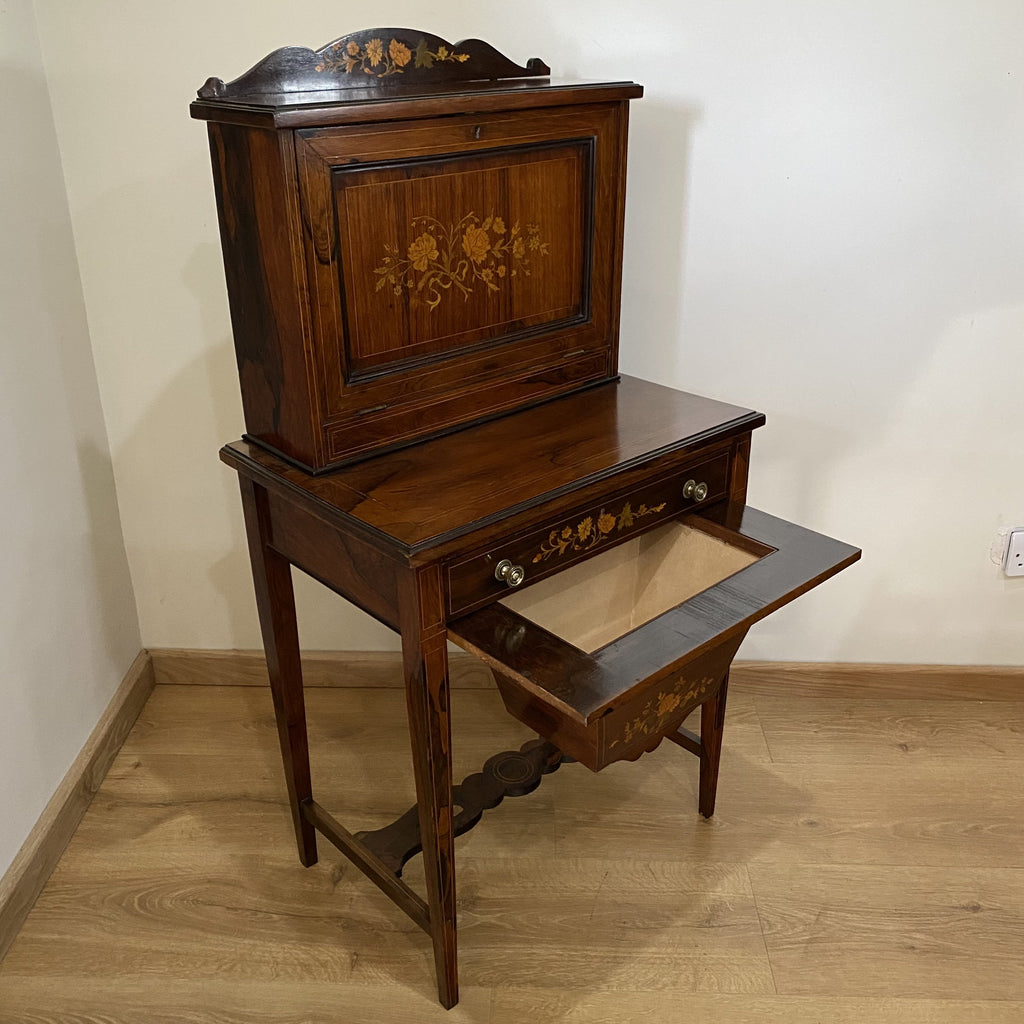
(595, 602)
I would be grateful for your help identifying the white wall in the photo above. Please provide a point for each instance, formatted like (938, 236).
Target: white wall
(67, 615)
(824, 221)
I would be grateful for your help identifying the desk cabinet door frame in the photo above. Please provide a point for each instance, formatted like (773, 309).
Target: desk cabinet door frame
(466, 265)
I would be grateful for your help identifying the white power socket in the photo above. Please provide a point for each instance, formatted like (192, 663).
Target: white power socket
(1013, 561)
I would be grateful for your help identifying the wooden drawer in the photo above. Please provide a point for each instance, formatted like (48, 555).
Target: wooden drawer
(550, 548)
(607, 657)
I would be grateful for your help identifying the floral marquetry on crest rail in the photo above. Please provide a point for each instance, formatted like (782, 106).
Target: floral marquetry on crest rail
(373, 57)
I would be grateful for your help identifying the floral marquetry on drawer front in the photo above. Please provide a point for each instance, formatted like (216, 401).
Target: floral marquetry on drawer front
(555, 546)
(588, 533)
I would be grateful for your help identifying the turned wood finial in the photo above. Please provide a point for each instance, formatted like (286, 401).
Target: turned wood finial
(372, 58)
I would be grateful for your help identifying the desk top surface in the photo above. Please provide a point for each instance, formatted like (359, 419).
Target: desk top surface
(437, 490)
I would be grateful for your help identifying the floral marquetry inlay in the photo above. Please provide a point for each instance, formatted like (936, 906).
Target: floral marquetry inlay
(376, 58)
(460, 256)
(591, 531)
(660, 710)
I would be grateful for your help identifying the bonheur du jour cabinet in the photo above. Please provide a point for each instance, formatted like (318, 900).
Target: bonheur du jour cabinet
(422, 245)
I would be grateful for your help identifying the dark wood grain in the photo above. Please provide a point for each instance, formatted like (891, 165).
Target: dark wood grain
(366, 106)
(275, 602)
(425, 662)
(409, 348)
(257, 205)
(712, 725)
(740, 468)
(530, 213)
(340, 559)
(615, 704)
(366, 859)
(471, 579)
(510, 773)
(437, 491)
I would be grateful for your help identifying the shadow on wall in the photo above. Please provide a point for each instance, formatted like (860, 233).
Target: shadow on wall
(654, 250)
(193, 569)
(96, 562)
(114, 605)
(68, 616)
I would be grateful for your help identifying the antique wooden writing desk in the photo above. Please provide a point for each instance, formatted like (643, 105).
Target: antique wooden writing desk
(424, 284)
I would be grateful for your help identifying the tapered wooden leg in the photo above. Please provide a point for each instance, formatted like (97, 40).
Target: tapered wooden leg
(712, 723)
(275, 600)
(425, 660)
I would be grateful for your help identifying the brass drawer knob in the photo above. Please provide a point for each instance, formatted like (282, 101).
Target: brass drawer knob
(513, 575)
(697, 491)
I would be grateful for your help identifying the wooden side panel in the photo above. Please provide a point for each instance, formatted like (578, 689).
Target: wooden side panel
(738, 482)
(275, 601)
(254, 178)
(341, 561)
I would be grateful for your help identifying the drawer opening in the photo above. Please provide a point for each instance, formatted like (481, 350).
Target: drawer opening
(609, 655)
(595, 602)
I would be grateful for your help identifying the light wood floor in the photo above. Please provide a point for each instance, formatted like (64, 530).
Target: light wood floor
(866, 865)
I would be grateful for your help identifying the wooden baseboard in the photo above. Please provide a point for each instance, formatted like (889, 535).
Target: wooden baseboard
(802, 679)
(889, 682)
(38, 856)
(319, 668)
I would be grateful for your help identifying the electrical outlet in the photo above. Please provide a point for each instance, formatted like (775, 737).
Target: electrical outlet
(1013, 562)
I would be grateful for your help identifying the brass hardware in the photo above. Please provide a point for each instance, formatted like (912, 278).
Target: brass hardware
(511, 574)
(697, 491)
(372, 408)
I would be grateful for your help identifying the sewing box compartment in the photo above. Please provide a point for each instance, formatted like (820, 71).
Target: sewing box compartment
(610, 655)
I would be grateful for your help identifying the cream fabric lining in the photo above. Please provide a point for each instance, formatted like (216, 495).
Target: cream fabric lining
(595, 602)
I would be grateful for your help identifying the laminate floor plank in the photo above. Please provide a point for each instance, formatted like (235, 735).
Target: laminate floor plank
(844, 880)
(70, 999)
(956, 933)
(894, 733)
(666, 1007)
(945, 813)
